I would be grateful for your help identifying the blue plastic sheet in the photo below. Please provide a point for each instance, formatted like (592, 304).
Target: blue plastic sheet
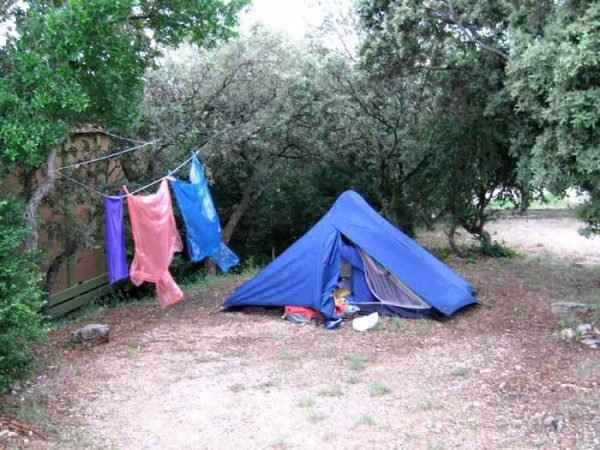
(203, 228)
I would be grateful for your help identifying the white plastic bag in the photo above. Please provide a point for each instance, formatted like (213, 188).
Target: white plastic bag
(365, 323)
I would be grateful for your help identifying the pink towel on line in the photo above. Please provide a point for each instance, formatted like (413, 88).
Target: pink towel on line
(156, 240)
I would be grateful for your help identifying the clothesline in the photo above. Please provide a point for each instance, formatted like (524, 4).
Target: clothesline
(111, 155)
(101, 131)
(158, 180)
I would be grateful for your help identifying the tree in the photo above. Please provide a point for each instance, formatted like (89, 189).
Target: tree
(71, 62)
(250, 93)
(83, 61)
(452, 54)
(554, 74)
(20, 298)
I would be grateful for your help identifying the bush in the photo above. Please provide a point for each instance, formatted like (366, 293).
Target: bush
(494, 249)
(20, 297)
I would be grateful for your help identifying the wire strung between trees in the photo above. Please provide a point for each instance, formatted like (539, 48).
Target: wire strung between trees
(111, 155)
(107, 133)
(158, 180)
(83, 185)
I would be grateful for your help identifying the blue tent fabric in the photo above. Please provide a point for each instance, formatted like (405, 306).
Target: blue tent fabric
(203, 228)
(360, 289)
(306, 273)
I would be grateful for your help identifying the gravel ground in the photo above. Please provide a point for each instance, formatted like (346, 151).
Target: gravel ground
(494, 376)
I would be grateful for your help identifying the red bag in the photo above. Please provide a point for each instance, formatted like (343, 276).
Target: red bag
(300, 314)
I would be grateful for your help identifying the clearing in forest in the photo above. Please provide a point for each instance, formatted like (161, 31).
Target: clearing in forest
(494, 376)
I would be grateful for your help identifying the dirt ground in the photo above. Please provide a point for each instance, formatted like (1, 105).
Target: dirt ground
(495, 376)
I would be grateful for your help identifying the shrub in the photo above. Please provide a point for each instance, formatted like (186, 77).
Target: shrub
(20, 297)
(494, 249)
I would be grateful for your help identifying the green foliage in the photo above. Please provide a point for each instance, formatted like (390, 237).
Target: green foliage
(366, 420)
(332, 391)
(83, 61)
(20, 298)
(316, 416)
(489, 247)
(378, 389)
(306, 402)
(356, 362)
(451, 57)
(590, 213)
(459, 372)
(554, 74)
(398, 324)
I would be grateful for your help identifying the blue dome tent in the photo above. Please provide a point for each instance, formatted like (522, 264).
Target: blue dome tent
(406, 280)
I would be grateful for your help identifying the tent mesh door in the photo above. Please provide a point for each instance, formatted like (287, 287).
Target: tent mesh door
(387, 288)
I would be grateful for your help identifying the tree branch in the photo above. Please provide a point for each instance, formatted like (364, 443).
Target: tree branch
(31, 240)
(452, 17)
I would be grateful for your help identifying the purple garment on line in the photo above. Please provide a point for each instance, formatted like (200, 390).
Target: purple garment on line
(114, 233)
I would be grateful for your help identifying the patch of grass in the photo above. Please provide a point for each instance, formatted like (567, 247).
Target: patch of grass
(473, 424)
(356, 362)
(284, 353)
(316, 416)
(331, 391)
(97, 307)
(422, 326)
(306, 402)
(459, 372)
(435, 445)
(281, 367)
(398, 324)
(353, 378)
(203, 281)
(425, 404)
(378, 389)
(537, 443)
(88, 311)
(34, 410)
(133, 347)
(443, 253)
(489, 247)
(366, 420)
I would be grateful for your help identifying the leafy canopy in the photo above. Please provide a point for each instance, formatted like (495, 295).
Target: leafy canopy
(554, 74)
(82, 61)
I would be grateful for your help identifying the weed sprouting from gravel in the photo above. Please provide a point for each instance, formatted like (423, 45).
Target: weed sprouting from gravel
(306, 402)
(377, 389)
(356, 362)
(459, 372)
(331, 391)
(366, 420)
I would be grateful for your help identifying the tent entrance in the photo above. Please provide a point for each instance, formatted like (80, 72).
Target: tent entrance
(388, 288)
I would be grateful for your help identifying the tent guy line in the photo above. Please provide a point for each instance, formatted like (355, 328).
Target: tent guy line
(158, 180)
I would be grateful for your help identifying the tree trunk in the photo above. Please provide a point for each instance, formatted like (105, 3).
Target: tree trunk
(31, 209)
(237, 214)
(451, 233)
(524, 201)
(52, 272)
